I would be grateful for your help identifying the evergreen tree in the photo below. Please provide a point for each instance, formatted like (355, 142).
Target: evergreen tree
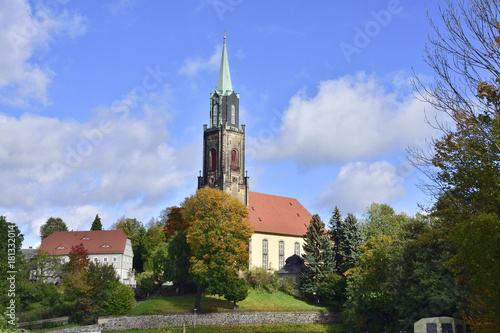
(319, 257)
(349, 239)
(334, 232)
(52, 225)
(96, 225)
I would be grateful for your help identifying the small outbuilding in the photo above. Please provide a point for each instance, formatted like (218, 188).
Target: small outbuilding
(292, 271)
(439, 325)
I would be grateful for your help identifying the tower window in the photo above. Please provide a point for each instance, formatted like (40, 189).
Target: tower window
(214, 116)
(297, 248)
(234, 159)
(233, 115)
(213, 160)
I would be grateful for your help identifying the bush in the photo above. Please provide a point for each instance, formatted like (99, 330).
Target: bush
(146, 281)
(287, 286)
(333, 288)
(118, 300)
(259, 278)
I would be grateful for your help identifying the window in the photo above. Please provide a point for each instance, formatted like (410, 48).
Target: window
(233, 115)
(431, 328)
(115, 259)
(282, 253)
(214, 116)
(446, 328)
(213, 160)
(96, 260)
(297, 248)
(264, 254)
(105, 259)
(234, 160)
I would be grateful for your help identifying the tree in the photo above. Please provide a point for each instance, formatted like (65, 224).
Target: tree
(153, 237)
(96, 225)
(44, 267)
(52, 225)
(462, 164)
(319, 258)
(176, 267)
(159, 262)
(381, 219)
(135, 230)
(173, 220)
(218, 235)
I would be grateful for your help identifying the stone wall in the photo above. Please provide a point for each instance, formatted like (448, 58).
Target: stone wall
(226, 318)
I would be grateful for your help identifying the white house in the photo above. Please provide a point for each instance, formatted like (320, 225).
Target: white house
(111, 247)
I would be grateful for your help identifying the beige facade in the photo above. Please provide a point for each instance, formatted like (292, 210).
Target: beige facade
(276, 254)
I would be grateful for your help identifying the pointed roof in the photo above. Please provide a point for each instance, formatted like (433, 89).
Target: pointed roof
(224, 86)
(277, 215)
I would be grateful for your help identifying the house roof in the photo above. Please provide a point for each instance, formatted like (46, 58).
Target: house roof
(277, 215)
(98, 241)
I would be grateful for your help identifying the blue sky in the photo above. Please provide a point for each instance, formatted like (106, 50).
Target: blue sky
(102, 103)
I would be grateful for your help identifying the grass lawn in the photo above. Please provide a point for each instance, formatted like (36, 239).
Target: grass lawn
(257, 300)
(253, 328)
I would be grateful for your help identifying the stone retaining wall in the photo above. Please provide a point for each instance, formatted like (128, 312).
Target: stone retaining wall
(225, 318)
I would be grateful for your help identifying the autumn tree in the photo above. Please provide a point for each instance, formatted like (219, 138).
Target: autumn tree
(319, 257)
(462, 164)
(218, 236)
(172, 219)
(96, 225)
(52, 225)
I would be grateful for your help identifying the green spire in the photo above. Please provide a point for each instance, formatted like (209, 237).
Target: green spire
(224, 86)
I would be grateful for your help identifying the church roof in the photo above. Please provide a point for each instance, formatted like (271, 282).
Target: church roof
(277, 215)
(97, 241)
(224, 86)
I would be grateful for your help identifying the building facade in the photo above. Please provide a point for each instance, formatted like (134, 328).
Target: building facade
(279, 222)
(111, 247)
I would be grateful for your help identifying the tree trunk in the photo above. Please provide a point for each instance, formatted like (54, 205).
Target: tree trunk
(198, 299)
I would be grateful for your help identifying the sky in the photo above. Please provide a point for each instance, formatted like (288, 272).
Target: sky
(102, 103)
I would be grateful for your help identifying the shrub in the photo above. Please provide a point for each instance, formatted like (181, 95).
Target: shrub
(287, 286)
(118, 300)
(259, 278)
(333, 288)
(146, 281)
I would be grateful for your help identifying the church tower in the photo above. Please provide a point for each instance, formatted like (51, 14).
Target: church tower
(224, 140)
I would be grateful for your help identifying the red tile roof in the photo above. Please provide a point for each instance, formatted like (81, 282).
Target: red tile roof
(277, 215)
(99, 241)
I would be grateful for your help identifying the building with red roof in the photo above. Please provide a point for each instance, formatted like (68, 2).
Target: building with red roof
(111, 247)
(279, 222)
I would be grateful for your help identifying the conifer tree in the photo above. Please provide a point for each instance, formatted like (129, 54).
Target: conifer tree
(96, 225)
(319, 257)
(348, 242)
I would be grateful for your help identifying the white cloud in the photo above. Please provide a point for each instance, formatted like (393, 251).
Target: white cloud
(193, 66)
(120, 158)
(359, 184)
(349, 119)
(25, 29)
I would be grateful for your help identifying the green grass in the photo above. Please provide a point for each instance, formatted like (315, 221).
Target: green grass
(338, 328)
(257, 300)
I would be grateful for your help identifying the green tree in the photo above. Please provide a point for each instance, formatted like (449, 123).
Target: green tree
(44, 267)
(52, 225)
(176, 267)
(218, 235)
(462, 164)
(381, 219)
(96, 225)
(159, 263)
(153, 237)
(136, 231)
(319, 258)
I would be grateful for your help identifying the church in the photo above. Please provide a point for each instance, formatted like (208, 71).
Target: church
(279, 222)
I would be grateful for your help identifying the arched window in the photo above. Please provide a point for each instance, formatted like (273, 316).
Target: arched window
(233, 115)
(297, 248)
(234, 159)
(214, 116)
(264, 254)
(282, 253)
(213, 160)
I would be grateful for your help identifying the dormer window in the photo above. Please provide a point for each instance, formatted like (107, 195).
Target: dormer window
(85, 238)
(60, 248)
(105, 245)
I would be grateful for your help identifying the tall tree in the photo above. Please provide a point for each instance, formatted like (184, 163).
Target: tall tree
(462, 164)
(52, 225)
(218, 235)
(176, 267)
(172, 219)
(319, 258)
(96, 225)
(136, 231)
(348, 240)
